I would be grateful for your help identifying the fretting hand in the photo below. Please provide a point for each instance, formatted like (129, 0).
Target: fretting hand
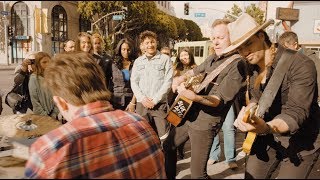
(186, 92)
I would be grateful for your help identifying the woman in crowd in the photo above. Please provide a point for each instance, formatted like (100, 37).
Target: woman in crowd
(97, 48)
(184, 62)
(41, 97)
(83, 42)
(93, 45)
(121, 70)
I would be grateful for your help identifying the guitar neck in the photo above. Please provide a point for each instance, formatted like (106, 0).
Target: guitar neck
(249, 115)
(189, 82)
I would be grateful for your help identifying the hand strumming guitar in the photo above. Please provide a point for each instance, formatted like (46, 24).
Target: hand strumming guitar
(254, 123)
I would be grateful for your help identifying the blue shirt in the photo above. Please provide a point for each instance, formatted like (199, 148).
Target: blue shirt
(126, 75)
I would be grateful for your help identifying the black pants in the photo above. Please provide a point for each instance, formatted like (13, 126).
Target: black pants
(266, 169)
(201, 142)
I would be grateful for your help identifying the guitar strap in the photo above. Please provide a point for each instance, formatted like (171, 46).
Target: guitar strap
(274, 83)
(215, 73)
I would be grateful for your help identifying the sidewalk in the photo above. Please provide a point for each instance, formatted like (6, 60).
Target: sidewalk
(218, 170)
(8, 67)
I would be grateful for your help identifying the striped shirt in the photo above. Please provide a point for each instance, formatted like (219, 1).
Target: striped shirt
(98, 143)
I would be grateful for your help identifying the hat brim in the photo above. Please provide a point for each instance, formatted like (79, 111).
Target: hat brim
(243, 39)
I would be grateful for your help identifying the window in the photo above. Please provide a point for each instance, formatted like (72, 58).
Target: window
(59, 28)
(192, 49)
(20, 22)
(197, 51)
(201, 51)
(84, 24)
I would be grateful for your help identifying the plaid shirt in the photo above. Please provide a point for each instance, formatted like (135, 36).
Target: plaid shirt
(98, 144)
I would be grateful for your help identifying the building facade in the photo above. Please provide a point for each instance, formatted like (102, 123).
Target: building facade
(166, 7)
(38, 26)
(43, 26)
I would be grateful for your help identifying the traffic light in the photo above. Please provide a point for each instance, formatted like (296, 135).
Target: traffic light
(10, 31)
(186, 8)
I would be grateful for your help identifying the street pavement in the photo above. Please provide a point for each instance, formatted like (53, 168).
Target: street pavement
(218, 170)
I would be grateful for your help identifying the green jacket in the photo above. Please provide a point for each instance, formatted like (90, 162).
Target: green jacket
(41, 97)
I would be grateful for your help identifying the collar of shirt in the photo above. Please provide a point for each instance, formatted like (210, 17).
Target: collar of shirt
(222, 57)
(157, 56)
(280, 51)
(93, 108)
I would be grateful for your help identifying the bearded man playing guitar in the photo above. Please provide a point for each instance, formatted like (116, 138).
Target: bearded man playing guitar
(222, 83)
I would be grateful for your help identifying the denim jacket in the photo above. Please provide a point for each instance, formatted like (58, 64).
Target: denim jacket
(152, 78)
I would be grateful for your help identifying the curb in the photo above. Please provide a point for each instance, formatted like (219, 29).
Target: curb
(7, 68)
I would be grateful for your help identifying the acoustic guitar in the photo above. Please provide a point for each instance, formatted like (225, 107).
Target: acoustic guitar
(251, 136)
(182, 105)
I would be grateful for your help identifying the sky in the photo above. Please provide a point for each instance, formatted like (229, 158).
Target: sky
(213, 10)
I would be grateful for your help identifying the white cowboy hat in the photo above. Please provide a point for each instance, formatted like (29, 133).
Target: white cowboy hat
(242, 29)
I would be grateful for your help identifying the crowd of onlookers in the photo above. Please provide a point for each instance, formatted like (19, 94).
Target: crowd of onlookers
(103, 100)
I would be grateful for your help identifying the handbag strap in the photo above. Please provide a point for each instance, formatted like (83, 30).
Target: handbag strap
(216, 72)
(274, 83)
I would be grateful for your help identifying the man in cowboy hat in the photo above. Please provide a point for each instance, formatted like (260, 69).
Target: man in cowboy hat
(210, 105)
(288, 128)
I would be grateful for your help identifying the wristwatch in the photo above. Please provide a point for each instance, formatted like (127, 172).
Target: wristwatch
(268, 131)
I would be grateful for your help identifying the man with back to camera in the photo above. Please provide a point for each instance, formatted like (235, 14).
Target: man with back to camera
(97, 141)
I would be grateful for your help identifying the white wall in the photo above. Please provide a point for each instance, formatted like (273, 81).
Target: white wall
(309, 12)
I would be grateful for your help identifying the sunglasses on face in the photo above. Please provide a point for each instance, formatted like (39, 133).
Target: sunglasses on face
(32, 61)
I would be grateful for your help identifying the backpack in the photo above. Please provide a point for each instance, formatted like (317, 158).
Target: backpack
(19, 97)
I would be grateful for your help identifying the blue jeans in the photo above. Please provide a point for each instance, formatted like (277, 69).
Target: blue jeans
(229, 140)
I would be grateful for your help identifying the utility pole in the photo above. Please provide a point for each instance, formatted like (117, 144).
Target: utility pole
(6, 33)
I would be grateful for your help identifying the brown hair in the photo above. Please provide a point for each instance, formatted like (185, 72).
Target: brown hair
(268, 64)
(77, 43)
(166, 48)
(147, 34)
(288, 37)
(38, 70)
(118, 59)
(94, 36)
(77, 78)
(178, 64)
